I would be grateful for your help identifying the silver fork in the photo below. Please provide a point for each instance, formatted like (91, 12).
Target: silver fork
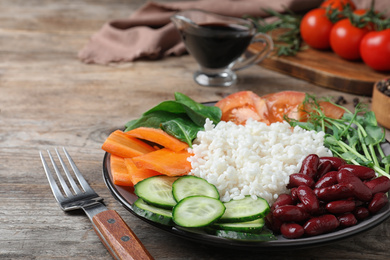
(114, 233)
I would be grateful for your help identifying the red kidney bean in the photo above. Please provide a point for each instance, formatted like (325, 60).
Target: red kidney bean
(290, 213)
(321, 209)
(292, 230)
(347, 220)
(358, 188)
(310, 165)
(358, 203)
(335, 161)
(380, 184)
(378, 202)
(320, 225)
(361, 213)
(340, 206)
(308, 198)
(283, 199)
(273, 223)
(363, 172)
(323, 168)
(297, 179)
(302, 206)
(326, 180)
(334, 192)
(294, 195)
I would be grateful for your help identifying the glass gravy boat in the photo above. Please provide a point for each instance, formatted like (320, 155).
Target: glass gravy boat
(219, 44)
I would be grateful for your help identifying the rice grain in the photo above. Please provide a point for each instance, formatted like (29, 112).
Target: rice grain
(255, 159)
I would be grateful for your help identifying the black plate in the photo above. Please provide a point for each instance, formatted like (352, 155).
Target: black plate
(126, 197)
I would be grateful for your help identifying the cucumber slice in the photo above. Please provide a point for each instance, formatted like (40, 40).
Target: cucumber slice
(197, 211)
(187, 186)
(263, 236)
(157, 191)
(254, 226)
(155, 214)
(246, 209)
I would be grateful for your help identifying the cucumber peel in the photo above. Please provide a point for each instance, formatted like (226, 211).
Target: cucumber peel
(263, 236)
(192, 186)
(156, 214)
(157, 191)
(246, 209)
(254, 226)
(197, 211)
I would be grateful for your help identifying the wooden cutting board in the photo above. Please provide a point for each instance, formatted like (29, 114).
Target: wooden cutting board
(326, 69)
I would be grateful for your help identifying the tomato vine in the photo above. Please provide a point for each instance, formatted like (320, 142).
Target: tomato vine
(287, 32)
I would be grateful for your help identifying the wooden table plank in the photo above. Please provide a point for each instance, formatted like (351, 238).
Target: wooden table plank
(49, 99)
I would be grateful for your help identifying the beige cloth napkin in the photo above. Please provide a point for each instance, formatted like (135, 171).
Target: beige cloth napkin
(149, 33)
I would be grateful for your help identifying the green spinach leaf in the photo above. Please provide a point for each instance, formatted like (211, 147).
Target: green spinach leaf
(154, 119)
(184, 130)
(171, 106)
(182, 118)
(197, 111)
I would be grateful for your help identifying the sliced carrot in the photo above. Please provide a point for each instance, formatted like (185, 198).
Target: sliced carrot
(165, 161)
(119, 172)
(158, 136)
(120, 144)
(138, 174)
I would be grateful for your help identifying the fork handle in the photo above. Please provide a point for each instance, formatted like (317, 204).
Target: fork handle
(118, 238)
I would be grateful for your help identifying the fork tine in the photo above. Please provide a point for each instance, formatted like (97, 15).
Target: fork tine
(68, 175)
(78, 174)
(53, 185)
(60, 178)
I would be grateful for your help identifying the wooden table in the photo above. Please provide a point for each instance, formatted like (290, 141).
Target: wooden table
(49, 99)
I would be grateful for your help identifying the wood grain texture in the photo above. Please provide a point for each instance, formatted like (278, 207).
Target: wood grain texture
(120, 240)
(326, 69)
(49, 99)
(381, 107)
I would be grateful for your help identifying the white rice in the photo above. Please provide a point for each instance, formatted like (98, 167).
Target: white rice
(255, 159)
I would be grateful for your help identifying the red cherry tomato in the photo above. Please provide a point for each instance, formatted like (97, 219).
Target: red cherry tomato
(338, 4)
(345, 39)
(241, 106)
(331, 110)
(271, 108)
(315, 29)
(375, 50)
(284, 103)
(360, 11)
(370, 25)
(290, 103)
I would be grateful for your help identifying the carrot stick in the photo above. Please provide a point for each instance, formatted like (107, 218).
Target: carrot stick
(138, 174)
(120, 144)
(158, 136)
(165, 161)
(119, 172)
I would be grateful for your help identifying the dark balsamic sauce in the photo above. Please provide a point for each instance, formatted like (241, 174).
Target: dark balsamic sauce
(218, 45)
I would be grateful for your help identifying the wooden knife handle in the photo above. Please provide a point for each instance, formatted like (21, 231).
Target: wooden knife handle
(119, 239)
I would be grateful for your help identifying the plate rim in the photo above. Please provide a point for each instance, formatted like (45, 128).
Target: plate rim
(281, 243)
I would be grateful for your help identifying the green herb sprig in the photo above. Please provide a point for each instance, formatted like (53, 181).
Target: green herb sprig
(356, 137)
(288, 42)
